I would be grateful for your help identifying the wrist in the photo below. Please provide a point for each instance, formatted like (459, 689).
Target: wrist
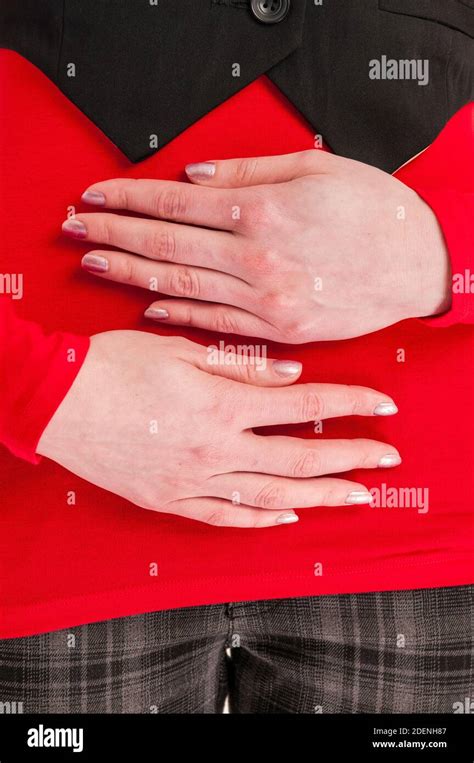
(432, 269)
(70, 417)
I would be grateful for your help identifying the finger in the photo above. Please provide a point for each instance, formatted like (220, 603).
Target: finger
(233, 173)
(314, 402)
(169, 200)
(158, 240)
(267, 492)
(214, 511)
(219, 318)
(177, 280)
(293, 457)
(250, 366)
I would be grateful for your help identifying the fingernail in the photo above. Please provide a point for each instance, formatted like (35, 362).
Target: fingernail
(157, 313)
(74, 228)
(391, 459)
(287, 519)
(94, 263)
(359, 496)
(201, 170)
(385, 409)
(93, 197)
(287, 367)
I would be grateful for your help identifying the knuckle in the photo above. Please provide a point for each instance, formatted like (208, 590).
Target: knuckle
(127, 270)
(279, 301)
(224, 322)
(162, 245)
(363, 453)
(258, 260)
(331, 497)
(184, 282)
(355, 400)
(207, 455)
(270, 496)
(146, 501)
(246, 372)
(307, 464)
(216, 517)
(148, 496)
(306, 160)
(263, 261)
(297, 332)
(365, 460)
(122, 193)
(186, 315)
(245, 170)
(104, 229)
(254, 521)
(170, 204)
(259, 212)
(311, 406)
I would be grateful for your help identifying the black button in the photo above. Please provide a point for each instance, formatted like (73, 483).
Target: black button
(270, 11)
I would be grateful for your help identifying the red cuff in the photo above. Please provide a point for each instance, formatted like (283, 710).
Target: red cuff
(36, 374)
(443, 175)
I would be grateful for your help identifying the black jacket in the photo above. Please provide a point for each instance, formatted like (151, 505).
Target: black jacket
(145, 68)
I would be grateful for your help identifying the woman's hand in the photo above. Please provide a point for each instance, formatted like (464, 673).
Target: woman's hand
(294, 248)
(153, 420)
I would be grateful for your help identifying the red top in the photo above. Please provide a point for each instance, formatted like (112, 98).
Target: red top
(65, 563)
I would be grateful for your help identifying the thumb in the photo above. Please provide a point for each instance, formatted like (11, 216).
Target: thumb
(257, 370)
(233, 173)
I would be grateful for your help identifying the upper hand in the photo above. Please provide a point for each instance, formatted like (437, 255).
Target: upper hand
(294, 248)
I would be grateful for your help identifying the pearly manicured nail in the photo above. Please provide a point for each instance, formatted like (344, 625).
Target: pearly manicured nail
(201, 170)
(391, 459)
(93, 197)
(287, 367)
(94, 263)
(359, 496)
(74, 228)
(157, 313)
(287, 519)
(385, 409)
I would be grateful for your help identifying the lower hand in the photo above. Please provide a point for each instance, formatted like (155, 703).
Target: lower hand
(150, 419)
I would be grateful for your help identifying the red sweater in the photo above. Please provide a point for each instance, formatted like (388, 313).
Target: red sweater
(72, 553)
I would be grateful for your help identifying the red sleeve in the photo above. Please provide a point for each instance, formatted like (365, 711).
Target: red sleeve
(443, 175)
(36, 372)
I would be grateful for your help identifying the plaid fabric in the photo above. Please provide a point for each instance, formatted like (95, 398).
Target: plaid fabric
(394, 652)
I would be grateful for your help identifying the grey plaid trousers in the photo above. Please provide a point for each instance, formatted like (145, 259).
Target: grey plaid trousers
(392, 652)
